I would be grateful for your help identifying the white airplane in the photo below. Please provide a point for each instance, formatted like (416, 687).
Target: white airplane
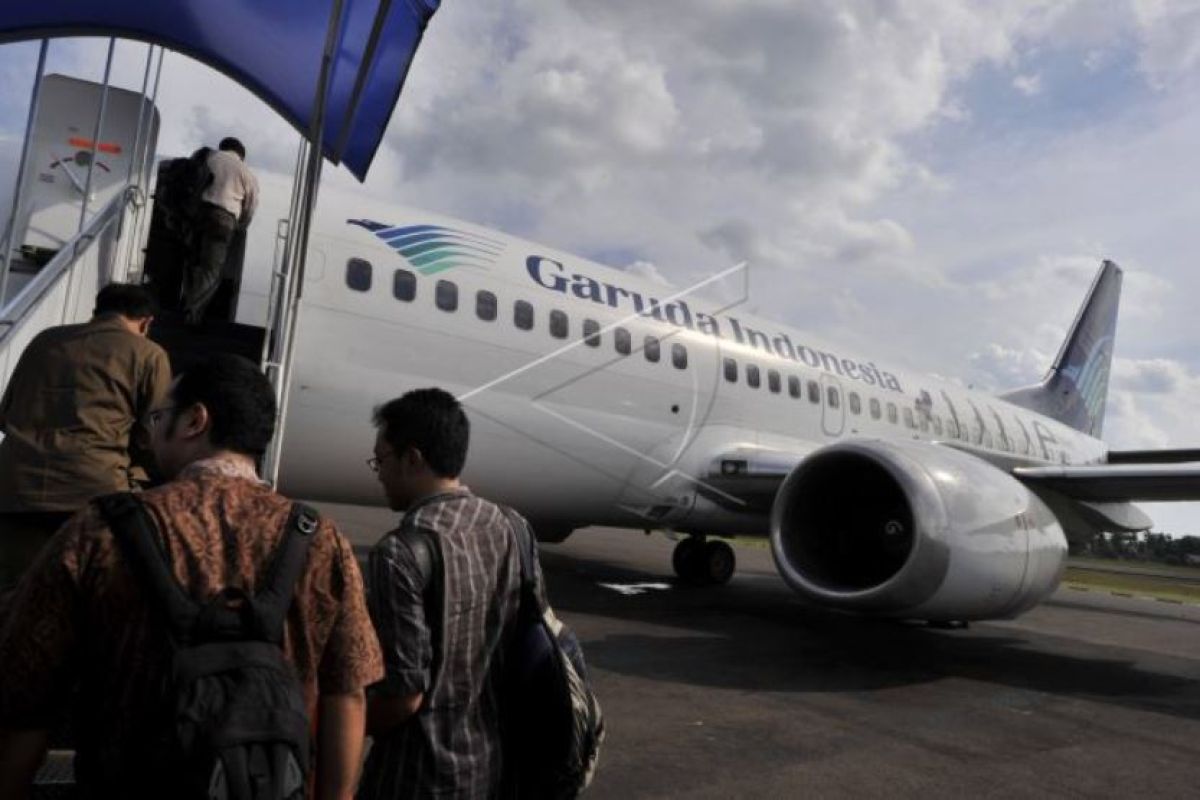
(598, 398)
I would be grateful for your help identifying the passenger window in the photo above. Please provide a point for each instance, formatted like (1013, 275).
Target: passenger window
(833, 397)
(679, 356)
(652, 348)
(358, 275)
(814, 392)
(876, 409)
(559, 328)
(591, 333)
(446, 295)
(485, 305)
(622, 341)
(909, 422)
(731, 370)
(855, 403)
(793, 386)
(753, 378)
(523, 315)
(892, 417)
(404, 285)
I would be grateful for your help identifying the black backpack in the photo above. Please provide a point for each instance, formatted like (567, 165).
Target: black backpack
(552, 724)
(234, 722)
(181, 182)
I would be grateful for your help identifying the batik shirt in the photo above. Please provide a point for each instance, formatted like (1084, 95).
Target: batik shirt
(81, 615)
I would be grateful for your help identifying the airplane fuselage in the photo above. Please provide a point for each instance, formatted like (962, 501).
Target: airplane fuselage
(595, 397)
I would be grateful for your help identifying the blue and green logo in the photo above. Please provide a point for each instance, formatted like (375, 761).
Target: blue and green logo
(431, 249)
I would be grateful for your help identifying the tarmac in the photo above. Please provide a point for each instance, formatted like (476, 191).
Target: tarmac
(746, 691)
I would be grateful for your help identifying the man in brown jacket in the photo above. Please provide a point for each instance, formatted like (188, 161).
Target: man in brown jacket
(72, 418)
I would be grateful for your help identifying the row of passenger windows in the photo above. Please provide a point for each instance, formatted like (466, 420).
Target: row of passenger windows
(487, 308)
(833, 397)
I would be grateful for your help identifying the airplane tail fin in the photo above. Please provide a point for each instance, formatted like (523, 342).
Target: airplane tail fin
(1075, 390)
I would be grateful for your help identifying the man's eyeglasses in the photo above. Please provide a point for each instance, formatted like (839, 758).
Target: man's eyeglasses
(374, 462)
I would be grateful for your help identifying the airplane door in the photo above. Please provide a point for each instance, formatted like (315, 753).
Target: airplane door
(833, 405)
(661, 486)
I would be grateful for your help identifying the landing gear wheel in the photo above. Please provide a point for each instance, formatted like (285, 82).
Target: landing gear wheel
(702, 563)
(719, 563)
(686, 558)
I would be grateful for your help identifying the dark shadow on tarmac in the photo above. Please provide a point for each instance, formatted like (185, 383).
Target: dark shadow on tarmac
(755, 635)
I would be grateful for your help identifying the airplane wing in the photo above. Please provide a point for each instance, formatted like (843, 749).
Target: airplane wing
(1152, 456)
(1119, 482)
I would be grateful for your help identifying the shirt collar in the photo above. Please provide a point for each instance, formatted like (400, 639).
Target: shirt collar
(437, 496)
(224, 466)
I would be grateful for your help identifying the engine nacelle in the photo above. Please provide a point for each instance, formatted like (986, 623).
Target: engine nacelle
(914, 530)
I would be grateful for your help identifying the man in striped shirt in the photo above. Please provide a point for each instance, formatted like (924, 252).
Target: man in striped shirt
(435, 717)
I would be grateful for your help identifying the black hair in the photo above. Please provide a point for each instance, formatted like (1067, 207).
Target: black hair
(127, 299)
(432, 421)
(239, 399)
(233, 144)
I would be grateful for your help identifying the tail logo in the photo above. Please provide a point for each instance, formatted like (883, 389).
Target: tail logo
(430, 249)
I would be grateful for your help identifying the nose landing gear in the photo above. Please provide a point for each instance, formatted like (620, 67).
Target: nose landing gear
(704, 563)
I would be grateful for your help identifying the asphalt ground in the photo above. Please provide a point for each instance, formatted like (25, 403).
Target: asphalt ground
(746, 691)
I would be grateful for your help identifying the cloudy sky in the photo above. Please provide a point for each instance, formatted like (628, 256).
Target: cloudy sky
(933, 182)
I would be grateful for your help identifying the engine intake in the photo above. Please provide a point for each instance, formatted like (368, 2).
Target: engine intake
(914, 530)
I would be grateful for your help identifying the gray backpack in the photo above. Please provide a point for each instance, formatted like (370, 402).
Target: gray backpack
(233, 723)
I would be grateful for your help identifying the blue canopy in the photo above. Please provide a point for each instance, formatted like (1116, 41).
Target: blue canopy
(272, 47)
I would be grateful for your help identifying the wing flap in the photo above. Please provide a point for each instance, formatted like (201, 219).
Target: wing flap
(1122, 483)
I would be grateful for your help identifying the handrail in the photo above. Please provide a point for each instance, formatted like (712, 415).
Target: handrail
(27, 299)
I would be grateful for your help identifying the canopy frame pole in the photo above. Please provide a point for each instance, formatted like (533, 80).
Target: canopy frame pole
(144, 156)
(133, 157)
(87, 186)
(96, 131)
(14, 212)
(360, 80)
(312, 177)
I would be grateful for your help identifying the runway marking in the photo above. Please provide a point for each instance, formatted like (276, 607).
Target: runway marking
(1130, 595)
(631, 589)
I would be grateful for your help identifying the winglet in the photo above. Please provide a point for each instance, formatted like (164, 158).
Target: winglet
(1076, 389)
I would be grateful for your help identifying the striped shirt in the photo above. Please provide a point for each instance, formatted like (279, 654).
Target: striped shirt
(451, 747)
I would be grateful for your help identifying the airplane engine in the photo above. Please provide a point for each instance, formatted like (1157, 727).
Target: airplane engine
(914, 530)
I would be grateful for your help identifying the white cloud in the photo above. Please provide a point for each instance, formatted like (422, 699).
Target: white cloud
(1170, 36)
(647, 270)
(1028, 85)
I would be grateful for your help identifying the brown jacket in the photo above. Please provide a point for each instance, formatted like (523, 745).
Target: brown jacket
(73, 415)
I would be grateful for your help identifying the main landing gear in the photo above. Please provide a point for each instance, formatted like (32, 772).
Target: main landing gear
(704, 563)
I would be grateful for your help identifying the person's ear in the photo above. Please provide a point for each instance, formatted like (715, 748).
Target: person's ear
(413, 459)
(193, 421)
(144, 325)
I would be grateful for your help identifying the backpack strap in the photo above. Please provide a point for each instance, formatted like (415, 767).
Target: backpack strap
(533, 591)
(273, 600)
(526, 544)
(427, 552)
(138, 539)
